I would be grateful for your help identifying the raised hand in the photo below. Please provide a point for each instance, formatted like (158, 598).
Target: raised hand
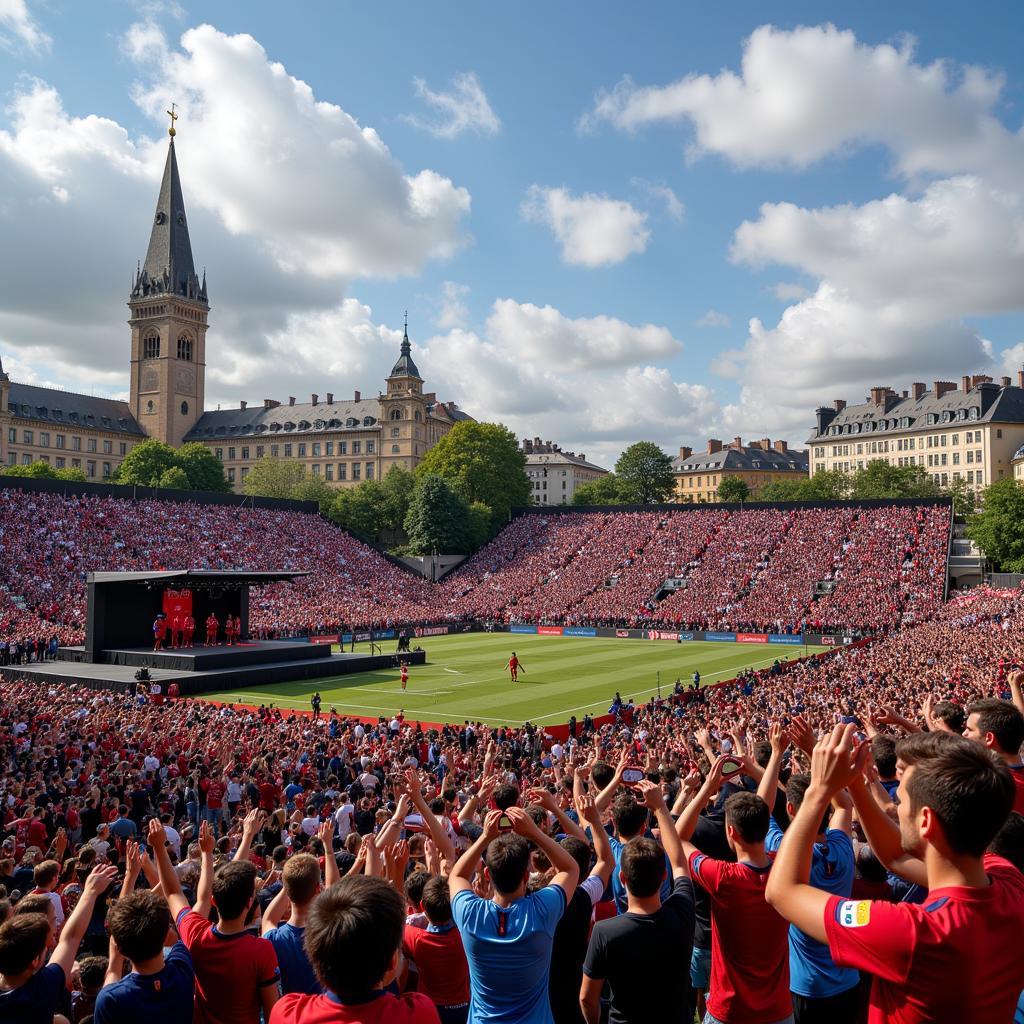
(801, 734)
(587, 811)
(650, 794)
(838, 759)
(100, 879)
(206, 840)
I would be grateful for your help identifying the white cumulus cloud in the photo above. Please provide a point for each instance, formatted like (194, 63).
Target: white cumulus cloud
(593, 230)
(464, 108)
(18, 29)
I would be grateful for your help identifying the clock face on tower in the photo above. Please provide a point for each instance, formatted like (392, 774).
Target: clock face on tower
(185, 379)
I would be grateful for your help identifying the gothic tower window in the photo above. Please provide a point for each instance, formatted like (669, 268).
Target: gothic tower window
(396, 414)
(185, 348)
(151, 347)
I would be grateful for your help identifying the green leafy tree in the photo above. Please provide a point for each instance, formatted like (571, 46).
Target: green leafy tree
(828, 485)
(732, 488)
(176, 478)
(273, 478)
(438, 518)
(359, 509)
(881, 479)
(41, 471)
(602, 491)
(644, 474)
(998, 528)
(146, 463)
(396, 494)
(205, 472)
(784, 490)
(315, 488)
(478, 525)
(481, 462)
(69, 473)
(965, 501)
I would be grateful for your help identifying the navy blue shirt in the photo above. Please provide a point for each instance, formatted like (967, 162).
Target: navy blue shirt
(167, 996)
(37, 1000)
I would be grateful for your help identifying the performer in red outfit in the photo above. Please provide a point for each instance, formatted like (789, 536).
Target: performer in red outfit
(229, 630)
(159, 632)
(176, 630)
(514, 667)
(212, 628)
(190, 630)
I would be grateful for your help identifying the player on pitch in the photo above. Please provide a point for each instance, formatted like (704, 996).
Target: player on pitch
(404, 675)
(514, 667)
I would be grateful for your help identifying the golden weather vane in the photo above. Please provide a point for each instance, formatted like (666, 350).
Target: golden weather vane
(174, 117)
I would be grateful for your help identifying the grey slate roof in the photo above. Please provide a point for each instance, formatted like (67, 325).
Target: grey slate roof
(284, 420)
(169, 266)
(984, 403)
(560, 458)
(745, 458)
(71, 411)
(405, 367)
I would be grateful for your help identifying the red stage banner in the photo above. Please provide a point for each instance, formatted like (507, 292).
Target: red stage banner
(751, 638)
(177, 603)
(549, 630)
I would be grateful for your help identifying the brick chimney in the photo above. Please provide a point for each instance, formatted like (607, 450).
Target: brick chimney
(980, 378)
(270, 403)
(714, 445)
(1020, 378)
(943, 387)
(965, 383)
(685, 453)
(358, 397)
(840, 404)
(766, 444)
(291, 399)
(314, 399)
(918, 390)
(330, 398)
(737, 442)
(243, 404)
(1005, 381)
(878, 396)
(782, 447)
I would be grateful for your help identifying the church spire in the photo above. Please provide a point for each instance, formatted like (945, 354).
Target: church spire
(405, 367)
(168, 268)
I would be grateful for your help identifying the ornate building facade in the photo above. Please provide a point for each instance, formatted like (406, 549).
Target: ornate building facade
(343, 442)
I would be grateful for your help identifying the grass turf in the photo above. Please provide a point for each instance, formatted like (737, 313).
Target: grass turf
(465, 678)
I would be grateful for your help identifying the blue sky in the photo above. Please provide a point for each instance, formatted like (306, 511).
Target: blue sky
(585, 259)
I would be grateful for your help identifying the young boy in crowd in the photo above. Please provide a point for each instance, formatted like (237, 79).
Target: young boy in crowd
(353, 938)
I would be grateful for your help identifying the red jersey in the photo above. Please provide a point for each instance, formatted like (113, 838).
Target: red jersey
(215, 796)
(954, 957)
(749, 944)
(230, 971)
(438, 953)
(384, 1008)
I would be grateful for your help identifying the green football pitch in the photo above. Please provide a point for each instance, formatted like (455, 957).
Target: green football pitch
(465, 678)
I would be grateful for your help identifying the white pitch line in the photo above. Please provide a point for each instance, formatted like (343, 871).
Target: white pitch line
(653, 689)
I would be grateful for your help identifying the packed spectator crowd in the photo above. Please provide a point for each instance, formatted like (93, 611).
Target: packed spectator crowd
(749, 570)
(818, 841)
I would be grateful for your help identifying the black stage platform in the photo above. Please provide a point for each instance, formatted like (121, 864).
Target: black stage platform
(202, 659)
(272, 669)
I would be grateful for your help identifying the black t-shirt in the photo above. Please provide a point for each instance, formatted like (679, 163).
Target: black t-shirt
(568, 951)
(645, 958)
(709, 838)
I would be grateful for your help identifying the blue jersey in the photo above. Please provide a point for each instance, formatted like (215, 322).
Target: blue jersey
(812, 971)
(509, 954)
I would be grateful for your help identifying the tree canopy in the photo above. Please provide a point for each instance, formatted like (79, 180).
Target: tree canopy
(274, 478)
(438, 519)
(732, 488)
(481, 462)
(602, 491)
(998, 528)
(41, 471)
(644, 475)
(149, 464)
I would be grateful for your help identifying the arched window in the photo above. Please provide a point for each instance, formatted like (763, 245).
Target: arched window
(395, 449)
(150, 407)
(419, 415)
(185, 348)
(396, 414)
(395, 432)
(184, 407)
(151, 347)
